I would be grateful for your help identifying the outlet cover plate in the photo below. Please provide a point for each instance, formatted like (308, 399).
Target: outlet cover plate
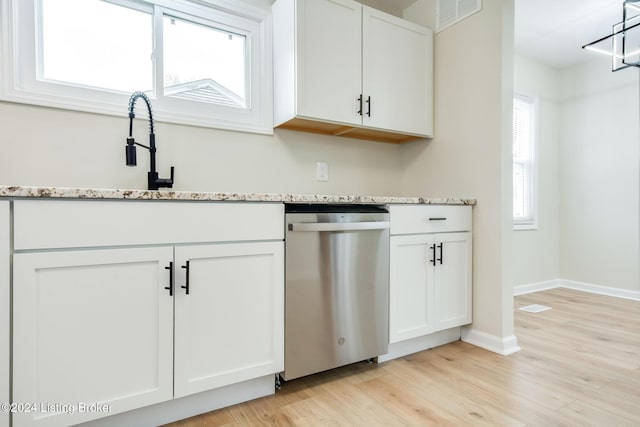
(322, 171)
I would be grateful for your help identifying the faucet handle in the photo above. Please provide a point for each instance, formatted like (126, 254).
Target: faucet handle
(164, 182)
(156, 183)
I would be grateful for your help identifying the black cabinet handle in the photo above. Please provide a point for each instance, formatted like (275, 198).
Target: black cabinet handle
(440, 218)
(368, 106)
(440, 247)
(433, 248)
(170, 287)
(186, 283)
(360, 103)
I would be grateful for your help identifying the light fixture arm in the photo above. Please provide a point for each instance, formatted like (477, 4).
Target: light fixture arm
(620, 50)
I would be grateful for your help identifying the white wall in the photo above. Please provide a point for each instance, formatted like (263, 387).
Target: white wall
(470, 154)
(589, 174)
(536, 252)
(599, 176)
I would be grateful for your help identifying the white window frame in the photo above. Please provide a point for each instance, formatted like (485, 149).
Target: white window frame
(18, 53)
(531, 222)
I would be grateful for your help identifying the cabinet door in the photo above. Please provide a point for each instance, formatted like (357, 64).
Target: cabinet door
(397, 74)
(328, 50)
(4, 309)
(230, 326)
(91, 326)
(452, 278)
(411, 287)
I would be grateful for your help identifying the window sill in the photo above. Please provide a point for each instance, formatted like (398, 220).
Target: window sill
(118, 107)
(520, 227)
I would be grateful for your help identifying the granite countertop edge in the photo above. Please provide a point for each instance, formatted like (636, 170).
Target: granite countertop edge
(124, 194)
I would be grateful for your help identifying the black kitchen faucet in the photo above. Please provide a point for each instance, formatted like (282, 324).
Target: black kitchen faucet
(153, 180)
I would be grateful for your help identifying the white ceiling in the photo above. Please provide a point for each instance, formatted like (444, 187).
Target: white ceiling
(551, 31)
(554, 31)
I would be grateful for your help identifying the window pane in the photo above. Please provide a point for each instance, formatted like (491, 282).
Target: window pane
(203, 63)
(521, 194)
(521, 130)
(98, 44)
(523, 161)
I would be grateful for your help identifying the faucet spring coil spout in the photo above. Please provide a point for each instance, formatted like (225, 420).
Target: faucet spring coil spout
(152, 176)
(132, 105)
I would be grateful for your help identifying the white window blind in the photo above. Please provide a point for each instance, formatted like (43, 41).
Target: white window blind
(524, 168)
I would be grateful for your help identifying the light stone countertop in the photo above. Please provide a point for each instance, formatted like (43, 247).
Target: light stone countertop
(116, 194)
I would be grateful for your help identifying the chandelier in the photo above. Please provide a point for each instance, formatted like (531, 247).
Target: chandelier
(623, 44)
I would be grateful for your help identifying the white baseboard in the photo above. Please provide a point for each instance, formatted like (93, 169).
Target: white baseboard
(185, 407)
(504, 346)
(601, 290)
(414, 345)
(578, 286)
(535, 287)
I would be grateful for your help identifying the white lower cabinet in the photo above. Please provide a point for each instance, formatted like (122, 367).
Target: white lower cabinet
(5, 308)
(411, 288)
(430, 272)
(452, 280)
(430, 284)
(90, 327)
(99, 331)
(228, 328)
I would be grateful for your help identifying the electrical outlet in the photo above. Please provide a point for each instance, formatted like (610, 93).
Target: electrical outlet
(322, 171)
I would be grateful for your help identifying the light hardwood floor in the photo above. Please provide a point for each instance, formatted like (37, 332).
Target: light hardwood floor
(579, 366)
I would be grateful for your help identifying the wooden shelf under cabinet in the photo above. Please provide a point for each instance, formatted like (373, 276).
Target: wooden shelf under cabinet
(336, 129)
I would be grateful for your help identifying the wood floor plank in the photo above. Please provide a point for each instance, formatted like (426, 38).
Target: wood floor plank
(579, 366)
(460, 396)
(499, 379)
(401, 399)
(585, 414)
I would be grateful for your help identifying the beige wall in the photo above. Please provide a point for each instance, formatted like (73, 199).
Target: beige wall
(50, 147)
(470, 154)
(535, 252)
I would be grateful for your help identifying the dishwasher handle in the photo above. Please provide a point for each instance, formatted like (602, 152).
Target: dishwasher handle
(338, 226)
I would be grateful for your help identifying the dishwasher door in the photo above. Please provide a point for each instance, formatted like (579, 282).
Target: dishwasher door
(337, 289)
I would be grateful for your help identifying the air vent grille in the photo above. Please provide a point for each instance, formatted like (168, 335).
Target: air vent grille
(450, 12)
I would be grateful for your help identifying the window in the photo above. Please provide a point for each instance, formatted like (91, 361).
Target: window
(104, 56)
(204, 63)
(524, 167)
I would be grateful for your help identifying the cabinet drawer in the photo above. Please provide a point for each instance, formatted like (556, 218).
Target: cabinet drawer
(49, 224)
(412, 219)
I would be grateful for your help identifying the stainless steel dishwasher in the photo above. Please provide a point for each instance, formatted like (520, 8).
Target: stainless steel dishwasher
(337, 286)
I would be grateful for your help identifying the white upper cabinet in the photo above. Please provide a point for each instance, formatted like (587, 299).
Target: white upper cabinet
(396, 74)
(329, 68)
(345, 69)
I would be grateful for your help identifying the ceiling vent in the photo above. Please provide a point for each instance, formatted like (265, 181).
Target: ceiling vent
(450, 12)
